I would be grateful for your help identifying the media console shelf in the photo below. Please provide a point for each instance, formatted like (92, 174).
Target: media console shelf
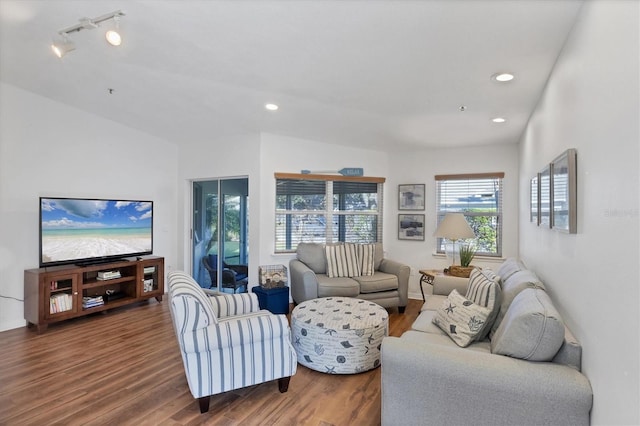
(61, 292)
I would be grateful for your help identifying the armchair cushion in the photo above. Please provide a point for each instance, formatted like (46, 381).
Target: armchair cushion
(225, 305)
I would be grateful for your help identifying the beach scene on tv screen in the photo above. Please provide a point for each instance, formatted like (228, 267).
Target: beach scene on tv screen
(81, 229)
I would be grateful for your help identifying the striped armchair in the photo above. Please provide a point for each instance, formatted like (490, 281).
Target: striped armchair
(226, 341)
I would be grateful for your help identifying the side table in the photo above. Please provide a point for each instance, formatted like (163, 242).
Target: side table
(428, 276)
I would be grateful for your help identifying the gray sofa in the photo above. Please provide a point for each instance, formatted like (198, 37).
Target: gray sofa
(429, 379)
(388, 286)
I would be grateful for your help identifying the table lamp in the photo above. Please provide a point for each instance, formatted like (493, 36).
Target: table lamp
(454, 227)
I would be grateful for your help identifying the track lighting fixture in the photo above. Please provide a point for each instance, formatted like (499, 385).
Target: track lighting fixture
(60, 48)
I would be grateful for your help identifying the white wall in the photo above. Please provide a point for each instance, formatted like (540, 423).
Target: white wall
(50, 149)
(421, 166)
(291, 155)
(591, 103)
(207, 159)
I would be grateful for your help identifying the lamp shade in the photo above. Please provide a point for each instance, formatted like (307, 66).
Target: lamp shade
(454, 227)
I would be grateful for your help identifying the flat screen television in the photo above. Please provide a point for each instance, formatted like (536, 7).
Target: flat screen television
(85, 231)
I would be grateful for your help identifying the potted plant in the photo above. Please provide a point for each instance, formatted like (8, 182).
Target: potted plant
(467, 253)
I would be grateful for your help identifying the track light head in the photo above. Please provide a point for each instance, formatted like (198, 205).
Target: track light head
(61, 48)
(113, 35)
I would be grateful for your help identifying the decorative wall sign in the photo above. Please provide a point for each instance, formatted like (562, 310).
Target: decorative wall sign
(346, 171)
(563, 192)
(411, 197)
(411, 227)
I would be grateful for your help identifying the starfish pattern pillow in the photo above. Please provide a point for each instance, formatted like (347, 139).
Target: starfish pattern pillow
(461, 319)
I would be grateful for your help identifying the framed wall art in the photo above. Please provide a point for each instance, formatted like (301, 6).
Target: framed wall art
(544, 218)
(535, 200)
(411, 197)
(563, 192)
(411, 227)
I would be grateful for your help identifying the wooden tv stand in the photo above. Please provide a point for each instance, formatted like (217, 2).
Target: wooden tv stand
(62, 292)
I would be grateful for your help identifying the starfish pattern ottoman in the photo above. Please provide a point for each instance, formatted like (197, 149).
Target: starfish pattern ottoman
(339, 335)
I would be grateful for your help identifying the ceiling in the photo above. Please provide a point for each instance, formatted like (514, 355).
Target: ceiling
(377, 74)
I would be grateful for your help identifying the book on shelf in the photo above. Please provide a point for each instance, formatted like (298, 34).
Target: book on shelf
(108, 275)
(148, 284)
(92, 302)
(149, 270)
(60, 302)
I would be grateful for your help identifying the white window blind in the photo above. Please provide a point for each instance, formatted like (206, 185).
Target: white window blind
(479, 198)
(326, 209)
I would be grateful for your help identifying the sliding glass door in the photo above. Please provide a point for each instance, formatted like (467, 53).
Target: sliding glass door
(220, 234)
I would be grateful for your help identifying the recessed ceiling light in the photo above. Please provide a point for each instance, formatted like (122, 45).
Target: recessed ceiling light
(271, 107)
(503, 77)
(498, 120)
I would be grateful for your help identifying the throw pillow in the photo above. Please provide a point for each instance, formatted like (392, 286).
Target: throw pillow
(366, 258)
(532, 329)
(484, 290)
(461, 319)
(341, 261)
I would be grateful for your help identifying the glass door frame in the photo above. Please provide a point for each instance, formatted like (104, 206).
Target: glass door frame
(202, 239)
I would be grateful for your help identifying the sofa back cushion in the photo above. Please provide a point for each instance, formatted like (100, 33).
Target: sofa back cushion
(532, 328)
(509, 267)
(312, 255)
(511, 287)
(484, 290)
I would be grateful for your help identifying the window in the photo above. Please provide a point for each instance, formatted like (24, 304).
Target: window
(479, 197)
(326, 209)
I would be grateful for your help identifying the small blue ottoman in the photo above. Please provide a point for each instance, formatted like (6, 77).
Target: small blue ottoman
(275, 300)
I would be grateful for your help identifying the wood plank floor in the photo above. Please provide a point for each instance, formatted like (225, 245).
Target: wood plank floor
(124, 367)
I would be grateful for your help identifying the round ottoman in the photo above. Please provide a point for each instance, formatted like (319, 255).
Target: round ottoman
(339, 335)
